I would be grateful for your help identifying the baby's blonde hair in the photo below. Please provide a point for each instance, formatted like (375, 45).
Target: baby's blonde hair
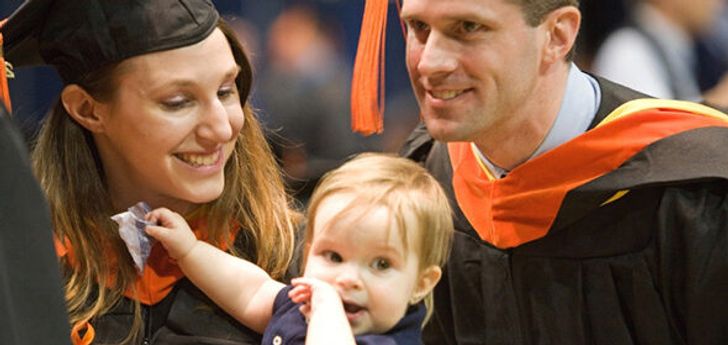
(403, 187)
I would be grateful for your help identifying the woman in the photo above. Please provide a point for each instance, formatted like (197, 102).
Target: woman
(154, 109)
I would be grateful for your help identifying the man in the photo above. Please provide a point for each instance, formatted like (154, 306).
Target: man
(584, 217)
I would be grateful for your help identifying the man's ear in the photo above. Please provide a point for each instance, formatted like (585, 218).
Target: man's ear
(425, 283)
(562, 27)
(83, 108)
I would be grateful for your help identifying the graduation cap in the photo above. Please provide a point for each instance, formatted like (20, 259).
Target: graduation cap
(79, 36)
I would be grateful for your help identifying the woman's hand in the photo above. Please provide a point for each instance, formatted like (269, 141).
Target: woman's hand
(173, 231)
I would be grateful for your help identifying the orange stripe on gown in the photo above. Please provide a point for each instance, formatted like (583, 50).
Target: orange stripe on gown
(522, 206)
(160, 273)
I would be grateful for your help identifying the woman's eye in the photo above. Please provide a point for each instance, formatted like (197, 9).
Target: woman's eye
(332, 256)
(381, 264)
(227, 92)
(176, 103)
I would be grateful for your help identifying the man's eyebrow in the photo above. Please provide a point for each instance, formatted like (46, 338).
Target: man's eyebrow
(450, 18)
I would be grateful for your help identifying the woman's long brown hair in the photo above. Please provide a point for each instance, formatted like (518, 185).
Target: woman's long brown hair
(66, 162)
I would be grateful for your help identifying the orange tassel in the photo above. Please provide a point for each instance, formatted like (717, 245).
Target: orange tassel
(367, 85)
(4, 90)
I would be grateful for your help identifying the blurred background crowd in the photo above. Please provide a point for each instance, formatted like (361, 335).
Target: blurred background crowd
(303, 51)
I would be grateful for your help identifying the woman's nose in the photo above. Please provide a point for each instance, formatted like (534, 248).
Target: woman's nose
(216, 123)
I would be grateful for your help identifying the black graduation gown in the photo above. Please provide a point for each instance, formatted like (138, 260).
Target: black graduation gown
(648, 268)
(185, 317)
(32, 309)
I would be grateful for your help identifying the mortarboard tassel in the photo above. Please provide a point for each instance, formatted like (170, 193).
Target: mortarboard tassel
(4, 90)
(367, 85)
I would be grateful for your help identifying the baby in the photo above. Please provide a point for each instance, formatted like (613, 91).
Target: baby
(379, 232)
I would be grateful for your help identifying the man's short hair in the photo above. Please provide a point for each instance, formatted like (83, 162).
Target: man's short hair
(536, 10)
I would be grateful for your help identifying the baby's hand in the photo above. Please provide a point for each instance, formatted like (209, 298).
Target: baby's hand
(173, 231)
(315, 295)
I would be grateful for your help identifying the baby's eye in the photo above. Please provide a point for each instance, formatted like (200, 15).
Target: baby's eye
(332, 256)
(381, 264)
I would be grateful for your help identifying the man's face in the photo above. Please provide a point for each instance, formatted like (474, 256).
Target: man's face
(473, 64)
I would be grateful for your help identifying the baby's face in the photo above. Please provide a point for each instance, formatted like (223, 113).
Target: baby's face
(366, 261)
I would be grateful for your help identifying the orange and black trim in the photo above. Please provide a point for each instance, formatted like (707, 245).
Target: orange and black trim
(522, 206)
(161, 272)
(4, 89)
(156, 281)
(85, 328)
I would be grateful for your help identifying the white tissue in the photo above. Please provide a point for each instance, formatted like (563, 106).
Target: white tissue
(131, 229)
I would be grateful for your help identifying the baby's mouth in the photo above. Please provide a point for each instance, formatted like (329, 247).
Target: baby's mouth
(353, 311)
(352, 308)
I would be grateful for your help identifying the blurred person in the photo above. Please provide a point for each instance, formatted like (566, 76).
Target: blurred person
(154, 108)
(585, 211)
(304, 93)
(712, 54)
(600, 18)
(402, 115)
(31, 298)
(655, 53)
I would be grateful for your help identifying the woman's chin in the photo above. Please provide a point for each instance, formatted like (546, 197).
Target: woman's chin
(204, 193)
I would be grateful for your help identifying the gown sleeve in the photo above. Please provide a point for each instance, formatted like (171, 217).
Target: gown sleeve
(692, 261)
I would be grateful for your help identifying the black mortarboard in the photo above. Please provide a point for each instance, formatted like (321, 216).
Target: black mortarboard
(79, 36)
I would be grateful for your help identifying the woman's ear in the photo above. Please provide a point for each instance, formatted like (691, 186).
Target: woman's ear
(425, 283)
(562, 27)
(83, 108)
